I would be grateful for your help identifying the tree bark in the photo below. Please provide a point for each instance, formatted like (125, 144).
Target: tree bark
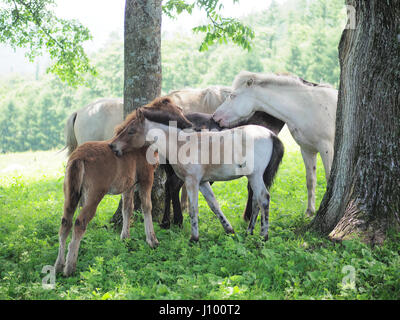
(142, 75)
(363, 193)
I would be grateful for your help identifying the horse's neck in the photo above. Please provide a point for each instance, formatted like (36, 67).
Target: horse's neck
(284, 103)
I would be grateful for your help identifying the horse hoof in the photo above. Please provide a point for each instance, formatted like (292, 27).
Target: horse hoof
(153, 243)
(68, 270)
(230, 231)
(310, 213)
(266, 237)
(125, 235)
(165, 225)
(178, 223)
(194, 239)
(59, 266)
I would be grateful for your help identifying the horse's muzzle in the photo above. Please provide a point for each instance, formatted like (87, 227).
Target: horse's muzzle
(118, 153)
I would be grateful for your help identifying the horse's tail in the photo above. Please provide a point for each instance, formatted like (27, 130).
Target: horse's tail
(69, 134)
(73, 182)
(276, 159)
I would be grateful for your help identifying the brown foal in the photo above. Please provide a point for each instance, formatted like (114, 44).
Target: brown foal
(92, 171)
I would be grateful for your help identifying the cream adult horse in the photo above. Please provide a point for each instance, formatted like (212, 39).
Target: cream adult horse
(308, 109)
(97, 120)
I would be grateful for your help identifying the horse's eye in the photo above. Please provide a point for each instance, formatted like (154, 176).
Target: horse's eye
(131, 131)
(232, 96)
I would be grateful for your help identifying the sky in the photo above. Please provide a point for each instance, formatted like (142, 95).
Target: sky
(109, 15)
(103, 17)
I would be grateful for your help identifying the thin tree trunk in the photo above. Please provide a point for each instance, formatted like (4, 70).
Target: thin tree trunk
(363, 194)
(142, 78)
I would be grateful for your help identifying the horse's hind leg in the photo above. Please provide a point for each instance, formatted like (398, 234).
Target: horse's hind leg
(87, 213)
(249, 205)
(72, 194)
(70, 204)
(178, 217)
(208, 194)
(262, 197)
(254, 215)
(127, 206)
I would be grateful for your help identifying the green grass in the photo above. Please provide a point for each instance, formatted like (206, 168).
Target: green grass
(293, 264)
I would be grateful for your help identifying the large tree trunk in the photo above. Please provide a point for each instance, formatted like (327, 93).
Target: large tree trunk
(363, 193)
(142, 78)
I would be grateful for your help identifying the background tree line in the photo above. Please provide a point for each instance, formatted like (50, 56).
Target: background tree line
(300, 36)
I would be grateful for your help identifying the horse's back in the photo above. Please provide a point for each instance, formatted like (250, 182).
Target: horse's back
(205, 100)
(97, 120)
(259, 143)
(256, 132)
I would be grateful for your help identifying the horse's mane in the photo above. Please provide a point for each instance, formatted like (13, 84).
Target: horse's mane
(278, 79)
(209, 95)
(154, 111)
(133, 115)
(129, 118)
(213, 93)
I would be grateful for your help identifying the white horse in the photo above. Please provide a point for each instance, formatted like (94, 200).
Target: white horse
(308, 109)
(258, 151)
(97, 120)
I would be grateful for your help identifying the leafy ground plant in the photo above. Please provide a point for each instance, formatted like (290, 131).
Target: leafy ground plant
(293, 264)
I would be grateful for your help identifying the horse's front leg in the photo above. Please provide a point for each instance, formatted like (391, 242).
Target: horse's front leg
(192, 187)
(310, 162)
(145, 199)
(326, 152)
(165, 222)
(127, 208)
(176, 185)
(208, 194)
(184, 199)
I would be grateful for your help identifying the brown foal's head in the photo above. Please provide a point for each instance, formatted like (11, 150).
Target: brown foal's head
(130, 135)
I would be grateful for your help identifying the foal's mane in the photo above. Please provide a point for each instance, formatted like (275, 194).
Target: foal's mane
(277, 79)
(154, 111)
(129, 118)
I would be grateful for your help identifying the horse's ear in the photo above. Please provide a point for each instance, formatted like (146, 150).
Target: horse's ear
(250, 82)
(139, 114)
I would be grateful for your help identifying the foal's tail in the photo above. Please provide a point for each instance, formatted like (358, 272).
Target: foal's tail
(276, 159)
(69, 134)
(73, 183)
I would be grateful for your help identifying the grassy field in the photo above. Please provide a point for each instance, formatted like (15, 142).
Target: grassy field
(293, 264)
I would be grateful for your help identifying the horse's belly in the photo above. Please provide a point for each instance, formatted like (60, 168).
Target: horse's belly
(121, 186)
(303, 140)
(222, 172)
